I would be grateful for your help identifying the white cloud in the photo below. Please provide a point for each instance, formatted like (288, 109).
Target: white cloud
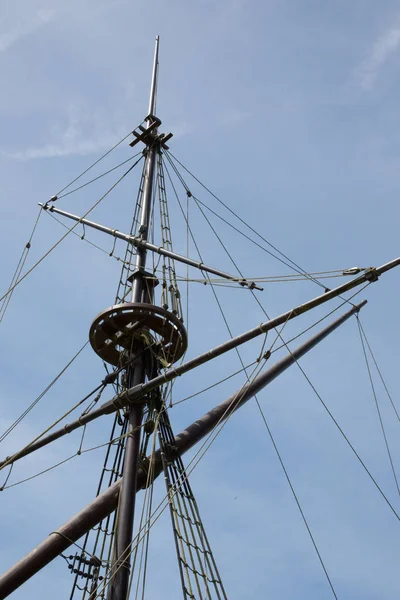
(382, 49)
(11, 37)
(85, 133)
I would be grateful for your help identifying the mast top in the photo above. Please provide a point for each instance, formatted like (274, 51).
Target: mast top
(153, 89)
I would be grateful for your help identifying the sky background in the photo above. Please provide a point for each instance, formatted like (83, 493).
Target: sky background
(288, 111)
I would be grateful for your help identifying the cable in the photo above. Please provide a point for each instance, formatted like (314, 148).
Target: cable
(84, 239)
(219, 239)
(379, 371)
(278, 335)
(377, 407)
(99, 176)
(213, 385)
(94, 164)
(160, 509)
(296, 267)
(296, 498)
(42, 394)
(346, 439)
(69, 231)
(21, 263)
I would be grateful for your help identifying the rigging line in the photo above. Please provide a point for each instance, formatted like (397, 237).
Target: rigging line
(7, 478)
(287, 264)
(213, 290)
(288, 279)
(320, 320)
(160, 508)
(214, 384)
(183, 212)
(95, 163)
(19, 267)
(241, 275)
(219, 281)
(129, 551)
(84, 239)
(9, 460)
(219, 239)
(295, 497)
(69, 230)
(17, 455)
(146, 508)
(379, 371)
(345, 437)
(251, 290)
(99, 176)
(377, 408)
(79, 452)
(230, 257)
(43, 393)
(169, 154)
(37, 474)
(114, 474)
(278, 335)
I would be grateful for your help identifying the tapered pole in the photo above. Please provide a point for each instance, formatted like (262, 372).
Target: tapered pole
(107, 502)
(136, 374)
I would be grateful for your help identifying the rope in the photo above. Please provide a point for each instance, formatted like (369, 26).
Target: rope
(346, 439)
(11, 459)
(84, 238)
(69, 231)
(160, 508)
(295, 266)
(377, 407)
(79, 452)
(21, 263)
(42, 394)
(296, 498)
(379, 371)
(99, 176)
(278, 335)
(94, 164)
(222, 244)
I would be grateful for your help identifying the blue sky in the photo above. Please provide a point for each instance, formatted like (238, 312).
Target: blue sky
(288, 111)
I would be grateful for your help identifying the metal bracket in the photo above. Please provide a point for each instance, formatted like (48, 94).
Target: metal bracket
(142, 274)
(371, 274)
(148, 135)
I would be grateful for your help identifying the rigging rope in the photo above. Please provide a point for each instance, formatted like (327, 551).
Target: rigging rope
(98, 176)
(294, 266)
(84, 238)
(94, 164)
(42, 394)
(69, 231)
(378, 369)
(196, 562)
(342, 433)
(5, 301)
(161, 507)
(278, 335)
(360, 331)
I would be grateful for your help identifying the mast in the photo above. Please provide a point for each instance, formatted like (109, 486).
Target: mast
(143, 341)
(135, 374)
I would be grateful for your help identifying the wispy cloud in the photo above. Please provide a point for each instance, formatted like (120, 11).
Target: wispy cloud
(382, 49)
(85, 133)
(23, 29)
